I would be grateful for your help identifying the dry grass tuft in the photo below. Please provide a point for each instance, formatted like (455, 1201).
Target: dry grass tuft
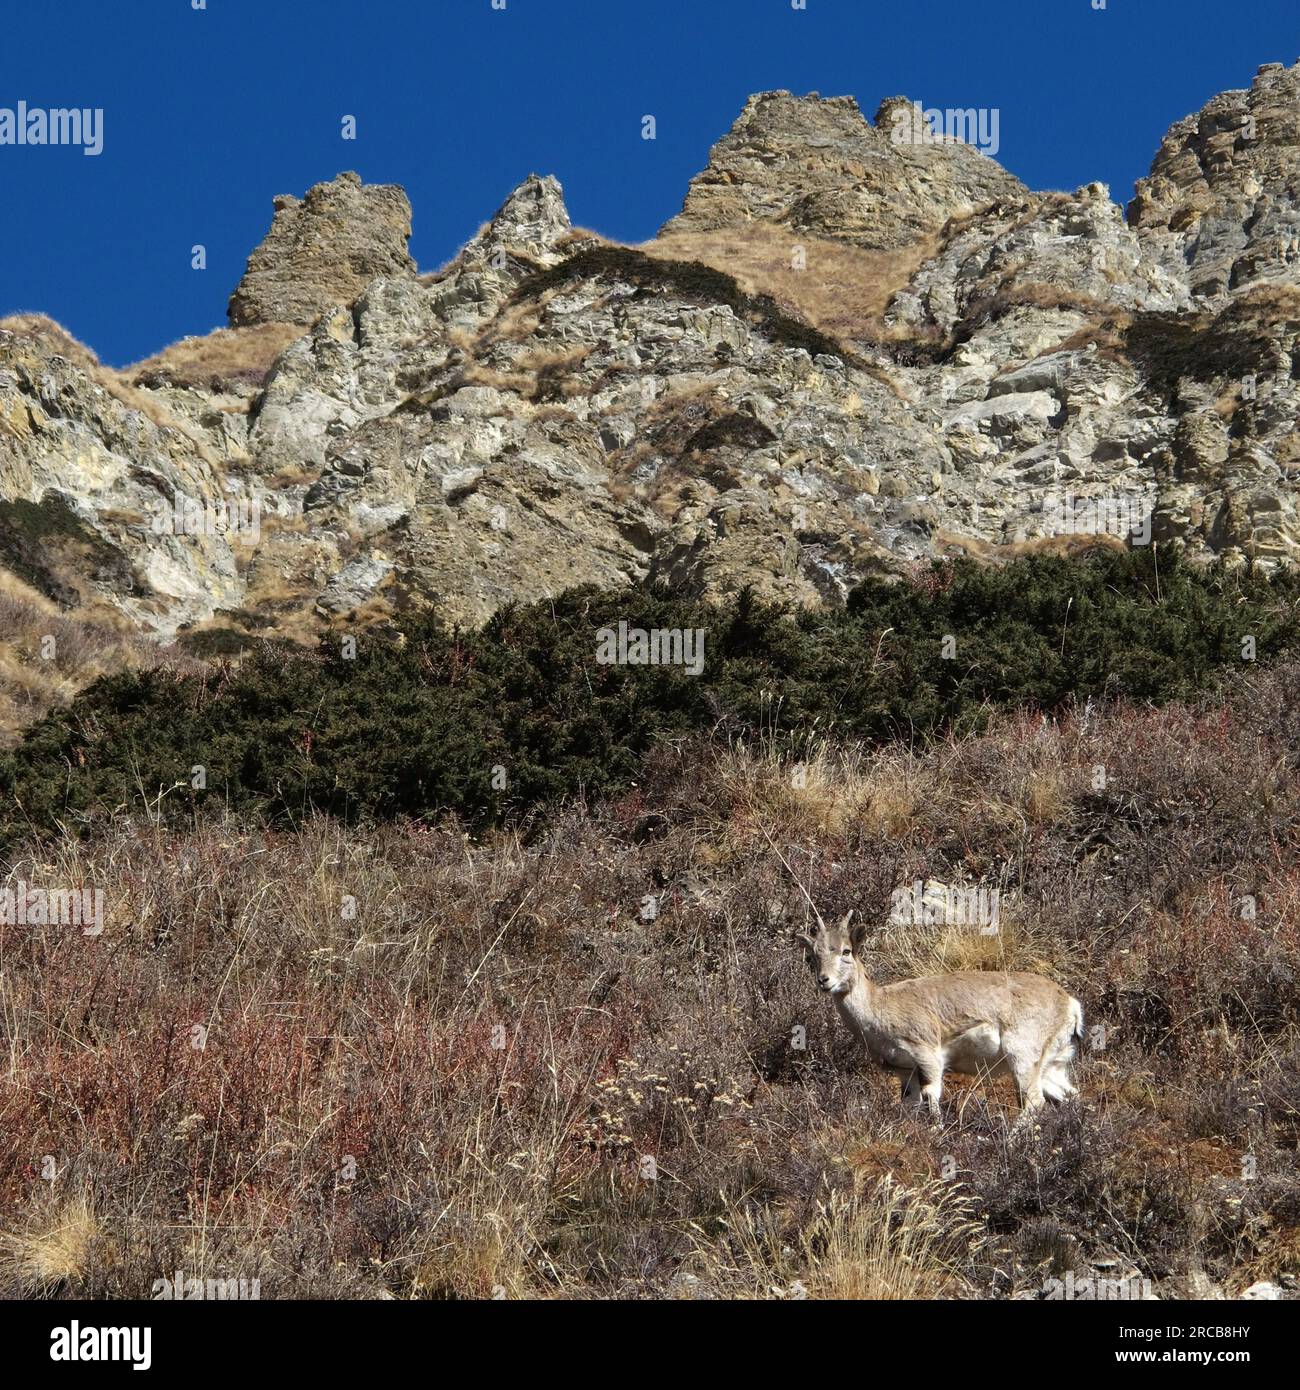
(821, 794)
(51, 338)
(892, 1243)
(52, 1252)
(47, 655)
(226, 358)
(842, 291)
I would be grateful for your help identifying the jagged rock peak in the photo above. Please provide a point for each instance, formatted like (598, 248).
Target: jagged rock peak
(323, 250)
(529, 229)
(531, 220)
(1222, 201)
(815, 164)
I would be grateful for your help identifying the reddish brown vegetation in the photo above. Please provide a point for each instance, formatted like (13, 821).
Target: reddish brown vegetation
(502, 1072)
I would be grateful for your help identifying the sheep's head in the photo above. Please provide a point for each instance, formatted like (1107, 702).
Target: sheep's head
(831, 953)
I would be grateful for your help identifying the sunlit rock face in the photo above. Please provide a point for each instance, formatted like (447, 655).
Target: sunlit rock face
(1222, 203)
(815, 164)
(551, 409)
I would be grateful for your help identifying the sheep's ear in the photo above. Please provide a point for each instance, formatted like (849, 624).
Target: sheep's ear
(858, 932)
(803, 938)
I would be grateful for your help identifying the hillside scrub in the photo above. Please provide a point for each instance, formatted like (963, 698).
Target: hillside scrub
(491, 724)
(442, 1066)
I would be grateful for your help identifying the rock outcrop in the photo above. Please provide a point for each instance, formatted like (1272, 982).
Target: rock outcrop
(814, 164)
(1222, 202)
(552, 409)
(324, 250)
(93, 479)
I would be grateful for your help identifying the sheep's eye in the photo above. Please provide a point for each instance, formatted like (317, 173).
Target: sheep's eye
(847, 951)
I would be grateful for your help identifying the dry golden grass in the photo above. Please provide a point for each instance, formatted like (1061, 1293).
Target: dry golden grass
(842, 290)
(892, 1243)
(546, 359)
(1070, 547)
(1034, 794)
(1288, 451)
(1104, 333)
(1271, 302)
(907, 951)
(899, 790)
(545, 414)
(47, 655)
(293, 475)
(51, 338)
(223, 357)
(840, 791)
(511, 383)
(501, 1039)
(462, 338)
(281, 605)
(822, 794)
(1045, 794)
(666, 426)
(1035, 294)
(52, 1251)
(542, 374)
(833, 789)
(275, 523)
(515, 323)
(1278, 1257)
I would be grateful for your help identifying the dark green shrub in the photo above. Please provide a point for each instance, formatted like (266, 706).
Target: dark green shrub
(491, 723)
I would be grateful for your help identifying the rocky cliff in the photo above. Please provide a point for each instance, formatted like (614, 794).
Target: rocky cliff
(815, 165)
(553, 409)
(324, 251)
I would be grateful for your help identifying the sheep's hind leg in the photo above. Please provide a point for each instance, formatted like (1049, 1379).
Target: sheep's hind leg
(931, 1071)
(1029, 1092)
(909, 1089)
(1057, 1086)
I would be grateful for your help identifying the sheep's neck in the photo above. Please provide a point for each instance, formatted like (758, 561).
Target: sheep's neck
(857, 1007)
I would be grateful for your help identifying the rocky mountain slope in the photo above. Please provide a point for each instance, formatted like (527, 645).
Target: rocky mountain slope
(844, 354)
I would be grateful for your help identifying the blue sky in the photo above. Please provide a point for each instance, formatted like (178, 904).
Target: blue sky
(209, 113)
